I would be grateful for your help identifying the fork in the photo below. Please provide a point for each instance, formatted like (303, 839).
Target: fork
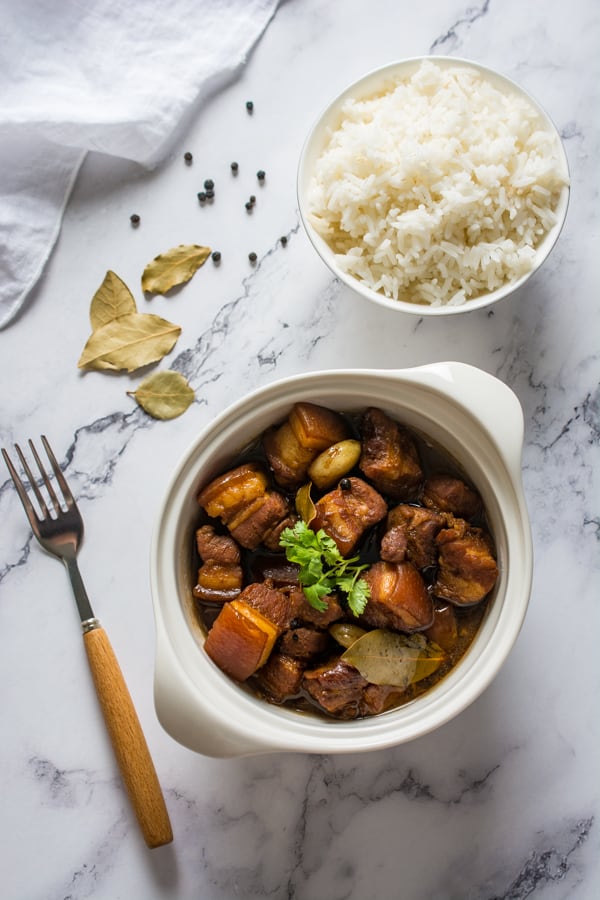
(60, 532)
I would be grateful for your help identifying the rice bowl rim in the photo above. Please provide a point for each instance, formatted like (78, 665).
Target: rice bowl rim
(364, 87)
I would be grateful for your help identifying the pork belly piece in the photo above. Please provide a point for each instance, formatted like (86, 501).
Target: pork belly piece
(292, 446)
(240, 640)
(451, 495)
(274, 604)
(276, 570)
(242, 500)
(281, 677)
(304, 612)
(217, 583)
(252, 524)
(444, 631)
(399, 599)
(417, 528)
(340, 690)
(337, 687)
(389, 458)
(346, 512)
(220, 575)
(218, 547)
(225, 495)
(271, 538)
(304, 643)
(379, 697)
(467, 567)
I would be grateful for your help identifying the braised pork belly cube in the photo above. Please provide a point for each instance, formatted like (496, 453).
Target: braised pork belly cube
(220, 575)
(271, 538)
(217, 583)
(304, 612)
(346, 512)
(377, 698)
(337, 687)
(389, 458)
(274, 569)
(304, 643)
(241, 499)
(281, 677)
(444, 631)
(274, 604)
(287, 458)
(240, 640)
(451, 495)
(218, 547)
(398, 598)
(225, 495)
(413, 529)
(251, 525)
(467, 568)
(292, 446)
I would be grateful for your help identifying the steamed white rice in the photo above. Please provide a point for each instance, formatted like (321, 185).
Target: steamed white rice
(439, 189)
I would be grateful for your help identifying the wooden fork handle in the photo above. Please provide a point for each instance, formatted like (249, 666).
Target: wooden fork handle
(127, 737)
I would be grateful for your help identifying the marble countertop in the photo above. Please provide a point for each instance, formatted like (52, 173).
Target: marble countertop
(502, 802)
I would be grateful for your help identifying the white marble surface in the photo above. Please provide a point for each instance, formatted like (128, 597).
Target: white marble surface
(504, 801)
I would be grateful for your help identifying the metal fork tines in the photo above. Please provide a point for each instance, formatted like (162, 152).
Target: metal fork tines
(58, 526)
(59, 531)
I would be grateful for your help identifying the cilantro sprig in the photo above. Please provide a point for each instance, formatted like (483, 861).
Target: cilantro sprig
(323, 569)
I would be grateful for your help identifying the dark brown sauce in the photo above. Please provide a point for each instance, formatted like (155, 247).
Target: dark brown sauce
(434, 460)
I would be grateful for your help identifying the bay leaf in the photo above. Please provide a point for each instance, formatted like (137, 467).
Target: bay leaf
(129, 342)
(175, 266)
(112, 299)
(386, 657)
(164, 395)
(305, 507)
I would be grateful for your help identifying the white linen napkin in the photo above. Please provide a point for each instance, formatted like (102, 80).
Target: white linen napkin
(114, 76)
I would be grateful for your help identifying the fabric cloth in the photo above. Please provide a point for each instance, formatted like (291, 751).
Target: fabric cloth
(114, 76)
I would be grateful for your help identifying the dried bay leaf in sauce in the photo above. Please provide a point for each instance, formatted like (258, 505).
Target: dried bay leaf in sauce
(386, 657)
(164, 395)
(112, 300)
(129, 342)
(305, 507)
(174, 267)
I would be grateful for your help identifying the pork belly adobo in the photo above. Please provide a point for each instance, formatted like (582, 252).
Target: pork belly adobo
(344, 563)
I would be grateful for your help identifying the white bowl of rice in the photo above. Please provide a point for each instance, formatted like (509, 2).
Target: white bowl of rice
(433, 186)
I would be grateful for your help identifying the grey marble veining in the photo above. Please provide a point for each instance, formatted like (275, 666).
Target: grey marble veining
(502, 803)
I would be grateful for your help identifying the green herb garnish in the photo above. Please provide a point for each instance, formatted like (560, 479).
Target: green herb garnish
(323, 569)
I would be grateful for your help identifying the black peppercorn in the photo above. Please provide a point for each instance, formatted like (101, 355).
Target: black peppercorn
(252, 199)
(252, 257)
(216, 256)
(261, 174)
(249, 206)
(210, 194)
(209, 184)
(188, 157)
(249, 105)
(345, 484)
(201, 196)
(234, 167)
(135, 220)
(283, 240)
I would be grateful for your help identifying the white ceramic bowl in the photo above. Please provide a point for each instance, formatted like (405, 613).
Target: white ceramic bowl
(470, 413)
(382, 79)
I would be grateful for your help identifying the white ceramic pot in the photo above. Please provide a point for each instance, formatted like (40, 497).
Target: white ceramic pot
(479, 421)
